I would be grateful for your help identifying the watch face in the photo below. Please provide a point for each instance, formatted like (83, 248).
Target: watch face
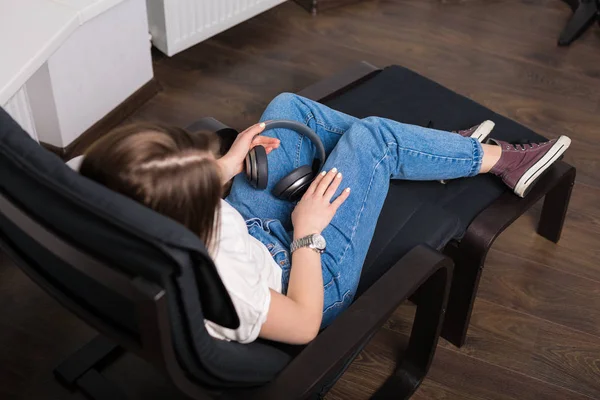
(319, 242)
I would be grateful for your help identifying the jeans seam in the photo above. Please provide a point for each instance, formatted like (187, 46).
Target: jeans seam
(329, 128)
(333, 279)
(387, 150)
(310, 115)
(298, 151)
(339, 303)
(429, 154)
(475, 160)
(477, 157)
(253, 222)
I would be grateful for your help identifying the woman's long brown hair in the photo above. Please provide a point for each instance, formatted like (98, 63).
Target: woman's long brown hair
(166, 169)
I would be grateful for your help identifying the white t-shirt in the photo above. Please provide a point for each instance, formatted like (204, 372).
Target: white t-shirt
(247, 271)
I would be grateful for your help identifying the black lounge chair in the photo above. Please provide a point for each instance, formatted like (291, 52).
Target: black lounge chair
(147, 284)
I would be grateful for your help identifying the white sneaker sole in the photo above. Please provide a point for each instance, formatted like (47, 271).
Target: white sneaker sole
(530, 177)
(483, 131)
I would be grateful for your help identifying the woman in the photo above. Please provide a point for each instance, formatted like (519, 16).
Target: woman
(280, 294)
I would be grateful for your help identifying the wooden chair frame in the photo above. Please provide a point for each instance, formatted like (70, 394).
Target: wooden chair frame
(423, 272)
(317, 366)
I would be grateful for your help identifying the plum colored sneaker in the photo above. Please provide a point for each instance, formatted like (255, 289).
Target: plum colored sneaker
(521, 165)
(479, 132)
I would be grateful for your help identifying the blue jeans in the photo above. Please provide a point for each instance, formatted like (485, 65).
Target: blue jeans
(368, 152)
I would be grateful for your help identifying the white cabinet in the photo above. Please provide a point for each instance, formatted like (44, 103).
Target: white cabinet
(101, 64)
(176, 25)
(67, 63)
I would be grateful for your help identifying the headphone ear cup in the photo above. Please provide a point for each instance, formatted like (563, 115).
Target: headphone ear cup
(261, 167)
(248, 169)
(257, 169)
(293, 185)
(301, 188)
(250, 161)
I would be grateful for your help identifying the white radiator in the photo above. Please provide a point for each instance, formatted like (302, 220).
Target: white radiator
(176, 25)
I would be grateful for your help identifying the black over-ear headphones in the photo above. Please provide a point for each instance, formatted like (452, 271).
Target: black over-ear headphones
(293, 185)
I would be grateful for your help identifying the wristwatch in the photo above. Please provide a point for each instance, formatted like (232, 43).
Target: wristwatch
(314, 241)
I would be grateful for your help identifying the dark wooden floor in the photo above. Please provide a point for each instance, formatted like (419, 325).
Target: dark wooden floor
(535, 332)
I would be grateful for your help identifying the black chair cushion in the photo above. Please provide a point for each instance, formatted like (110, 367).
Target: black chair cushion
(424, 212)
(138, 242)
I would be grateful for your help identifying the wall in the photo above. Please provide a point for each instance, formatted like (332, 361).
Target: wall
(18, 107)
(101, 64)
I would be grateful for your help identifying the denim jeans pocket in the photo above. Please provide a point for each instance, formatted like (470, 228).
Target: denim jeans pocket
(263, 232)
(334, 305)
(282, 258)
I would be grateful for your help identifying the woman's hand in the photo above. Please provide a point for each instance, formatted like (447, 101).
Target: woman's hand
(232, 163)
(315, 210)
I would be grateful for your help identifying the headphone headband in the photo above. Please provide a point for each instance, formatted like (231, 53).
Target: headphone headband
(302, 129)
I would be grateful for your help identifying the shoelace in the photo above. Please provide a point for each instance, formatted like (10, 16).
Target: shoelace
(525, 145)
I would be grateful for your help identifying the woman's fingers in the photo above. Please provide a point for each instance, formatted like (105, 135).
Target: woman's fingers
(265, 141)
(333, 187)
(271, 148)
(253, 130)
(315, 183)
(269, 143)
(341, 199)
(243, 141)
(325, 182)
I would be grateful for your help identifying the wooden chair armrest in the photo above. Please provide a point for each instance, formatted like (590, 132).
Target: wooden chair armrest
(350, 332)
(492, 221)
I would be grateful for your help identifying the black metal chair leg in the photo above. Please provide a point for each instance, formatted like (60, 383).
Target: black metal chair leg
(414, 362)
(555, 208)
(469, 255)
(468, 265)
(80, 370)
(583, 18)
(95, 386)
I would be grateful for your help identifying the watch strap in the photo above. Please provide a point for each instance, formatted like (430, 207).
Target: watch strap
(306, 241)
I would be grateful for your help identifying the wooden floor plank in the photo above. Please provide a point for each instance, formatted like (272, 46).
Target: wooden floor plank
(447, 37)
(525, 344)
(543, 292)
(577, 252)
(36, 333)
(453, 375)
(554, 103)
(495, 28)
